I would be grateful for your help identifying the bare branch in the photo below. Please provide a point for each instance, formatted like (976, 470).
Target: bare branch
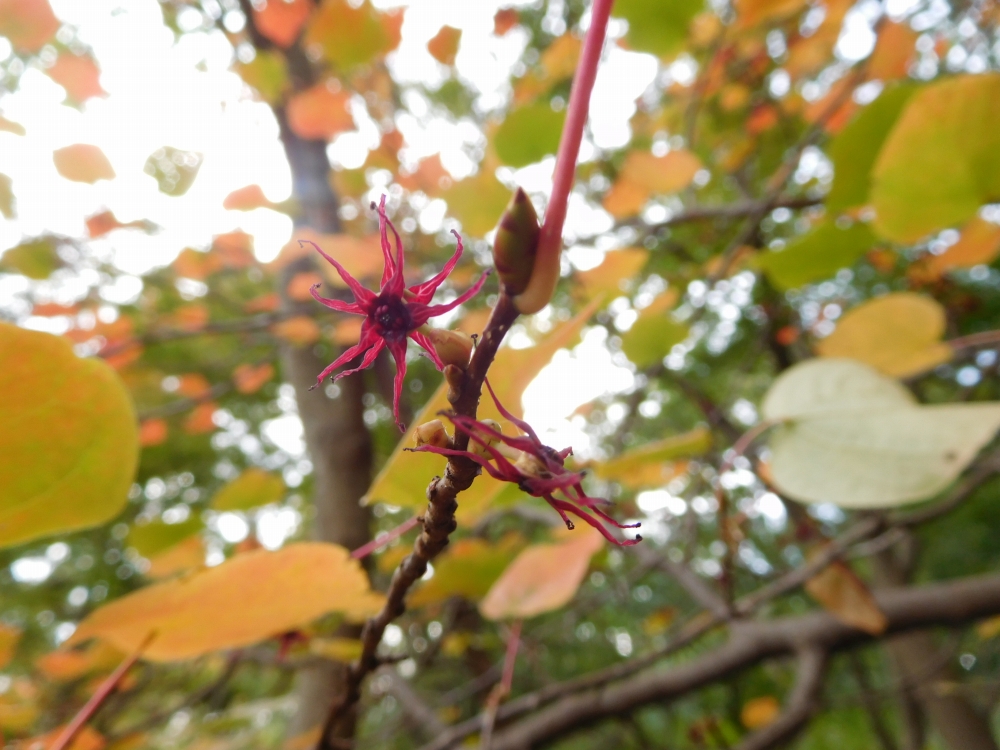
(413, 705)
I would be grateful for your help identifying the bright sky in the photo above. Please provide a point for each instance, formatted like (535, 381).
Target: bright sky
(183, 94)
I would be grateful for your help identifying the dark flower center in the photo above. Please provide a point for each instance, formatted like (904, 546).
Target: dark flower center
(391, 316)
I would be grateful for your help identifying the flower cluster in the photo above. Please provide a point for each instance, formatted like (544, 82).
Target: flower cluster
(395, 313)
(534, 467)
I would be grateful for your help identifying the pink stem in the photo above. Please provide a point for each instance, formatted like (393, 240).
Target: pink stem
(550, 238)
(366, 549)
(97, 699)
(510, 657)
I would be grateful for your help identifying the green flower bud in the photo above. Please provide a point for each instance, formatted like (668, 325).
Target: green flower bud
(516, 242)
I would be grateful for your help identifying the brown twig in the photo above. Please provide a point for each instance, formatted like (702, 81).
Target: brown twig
(438, 520)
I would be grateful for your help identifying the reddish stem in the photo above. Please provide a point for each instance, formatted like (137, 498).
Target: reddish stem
(97, 699)
(513, 639)
(550, 239)
(366, 549)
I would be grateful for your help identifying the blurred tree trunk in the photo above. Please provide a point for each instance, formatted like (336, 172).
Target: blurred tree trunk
(335, 433)
(922, 672)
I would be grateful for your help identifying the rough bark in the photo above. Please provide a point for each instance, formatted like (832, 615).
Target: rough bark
(335, 434)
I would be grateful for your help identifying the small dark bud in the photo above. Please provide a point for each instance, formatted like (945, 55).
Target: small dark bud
(516, 242)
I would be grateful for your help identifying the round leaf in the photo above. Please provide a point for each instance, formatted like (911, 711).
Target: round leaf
(250, 597)
(529, 134)
(898, 334)
(70, 441)
(856, 438)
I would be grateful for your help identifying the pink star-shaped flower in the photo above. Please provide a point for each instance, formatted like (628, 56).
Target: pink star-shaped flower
(539, 470)
(394, 313)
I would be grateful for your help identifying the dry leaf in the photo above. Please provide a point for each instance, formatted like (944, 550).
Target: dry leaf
(444, 45)
(282, 20)
(83, 162)
(319, 113)
(759, 712)
(846, 597)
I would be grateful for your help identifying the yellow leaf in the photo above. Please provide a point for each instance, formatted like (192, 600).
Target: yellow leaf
(248, 598)
(618, 267)
(70, 438)
(405, 475)
(846, 597)
(477, 201)
(989, 628)
(544, 577)
(468, 569)
(753, 12)
(759, 712)
(83, 163)
(65, 665)
(978, 244)
(336, 649)
(898, 334)
(692, 443)
(86, 738)
(644, 174)
(252, 488)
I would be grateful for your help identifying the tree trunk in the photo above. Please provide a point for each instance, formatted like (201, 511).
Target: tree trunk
(921, 669)
(335, 434)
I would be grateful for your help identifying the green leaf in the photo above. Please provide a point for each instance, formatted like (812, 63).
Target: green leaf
(253, 488)
(854, 150)
(477, 201)
(156, 537)
(657, 26)
(817, 255)
(858, 439)
(941, 161)
(6, 197)
(350, 36)
(651, 338)
(70, 440)
(693, 443)
(268, 73)
(36, 258)
(174, 170)
(529, 134)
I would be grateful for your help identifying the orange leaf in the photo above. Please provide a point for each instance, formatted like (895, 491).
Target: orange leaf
(625, 198)
(86, 739)
(265, 303)
(978, 244)
(301, 283)
(78, 74)
(617, 267)
(846, 597)
(759, 712)
(894, 52)
(544, 577)
(836, 120)
(763, 117)
(250, 379)
(234, 249)
(100, 224)
(194, 264)
(28, 24)
(83, 163)
(361, 256)
(753, 12)
(319, 113)
(444, 46)
(430, 176)
(51, 309)
(199, 421)
(193, 385)
(348, 331)
(190, 317)
(661, 174)
(250, 597)
(300, 331)
(247, 198)
(64, 665)
(153, 432)
(9, 638)
(282, 20)
(504, 20)
(10, 126)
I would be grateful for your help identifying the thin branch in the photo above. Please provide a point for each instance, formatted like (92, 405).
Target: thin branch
(384, 539)
(413, 705)
(102, 693)
(438, 519)
(735, 210)
(687, 579)
(182, 405)
(244, 325)
(870, 702)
